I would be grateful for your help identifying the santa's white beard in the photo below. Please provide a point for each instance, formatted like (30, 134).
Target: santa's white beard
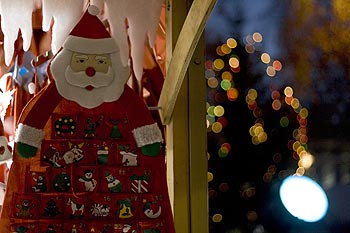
(107, 90)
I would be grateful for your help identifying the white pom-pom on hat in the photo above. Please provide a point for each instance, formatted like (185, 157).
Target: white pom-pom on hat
(93, 10)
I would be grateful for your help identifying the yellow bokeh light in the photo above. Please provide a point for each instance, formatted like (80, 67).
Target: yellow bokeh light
(225, 49)
(216, 127)
(234, 62)
(262, 137)
(304, 113)
(232, 43)
(295, 103)
(210, 176)
(258, 129)
(219, 51)
(219, 64)
(219, 111)
(300, 149)
(251, 130)
(252, 94)
(226, 75)
(306, 161)
(217, 218)
(288, 91)
(257, 37)
(300, 171)
(296, 145)
(265, 58)
(255, 140)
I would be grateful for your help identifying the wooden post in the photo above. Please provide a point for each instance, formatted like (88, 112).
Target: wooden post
(186, 130)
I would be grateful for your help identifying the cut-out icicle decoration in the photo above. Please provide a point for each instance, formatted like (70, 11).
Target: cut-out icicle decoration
(16, 15)
(62, 15)
(143, 19)
(65, 14)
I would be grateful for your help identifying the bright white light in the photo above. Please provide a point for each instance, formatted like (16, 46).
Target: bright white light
(304, 198)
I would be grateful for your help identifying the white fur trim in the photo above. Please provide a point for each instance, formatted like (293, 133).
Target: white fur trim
(148, 134)
(90, 46)
(29, 135)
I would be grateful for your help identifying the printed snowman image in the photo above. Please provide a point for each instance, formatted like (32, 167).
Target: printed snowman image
(88, 180)
(114, 185)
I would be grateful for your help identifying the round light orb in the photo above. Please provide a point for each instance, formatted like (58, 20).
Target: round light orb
(304, 198)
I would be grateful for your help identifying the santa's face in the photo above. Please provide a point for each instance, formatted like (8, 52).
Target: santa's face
(89, 71)
(89, 79)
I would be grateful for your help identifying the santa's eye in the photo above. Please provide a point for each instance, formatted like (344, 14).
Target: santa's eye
(81, 58)
(102, 62)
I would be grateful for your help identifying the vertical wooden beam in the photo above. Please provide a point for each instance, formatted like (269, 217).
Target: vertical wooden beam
(186, 43)
(198, 140)
(177, 150)
(186, 133)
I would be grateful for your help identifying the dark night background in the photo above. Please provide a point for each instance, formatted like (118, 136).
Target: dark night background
(311, 39)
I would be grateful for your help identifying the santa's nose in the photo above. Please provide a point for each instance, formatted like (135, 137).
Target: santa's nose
(90, 71)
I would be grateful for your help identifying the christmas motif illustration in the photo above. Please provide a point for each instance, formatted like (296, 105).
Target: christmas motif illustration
(40, 182)
(52, 156)
(88, 180)
(61, 182)
(75, 153)
(51, 210)
(100, 210)
(129, 157)
(114, 185)
(24, 208)
(76, 207)
(125, 208)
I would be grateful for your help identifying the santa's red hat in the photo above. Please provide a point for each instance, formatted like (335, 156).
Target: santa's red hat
(84, 40)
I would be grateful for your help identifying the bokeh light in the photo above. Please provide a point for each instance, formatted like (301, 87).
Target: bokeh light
(265, 58)
(304, 198)
(257, 37)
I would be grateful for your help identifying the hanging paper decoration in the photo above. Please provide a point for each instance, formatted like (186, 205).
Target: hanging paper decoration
(65, 14)
(16, 15)
(143, 18)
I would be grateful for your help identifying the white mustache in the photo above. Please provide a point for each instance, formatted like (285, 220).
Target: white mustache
(80, 79)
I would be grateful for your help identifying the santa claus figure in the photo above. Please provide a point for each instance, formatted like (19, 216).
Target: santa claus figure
(88, 91)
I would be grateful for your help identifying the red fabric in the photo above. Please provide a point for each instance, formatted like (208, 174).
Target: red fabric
(90, 21)
(143, 187)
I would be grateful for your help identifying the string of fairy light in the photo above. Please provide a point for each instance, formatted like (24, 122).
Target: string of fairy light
(220, 75)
